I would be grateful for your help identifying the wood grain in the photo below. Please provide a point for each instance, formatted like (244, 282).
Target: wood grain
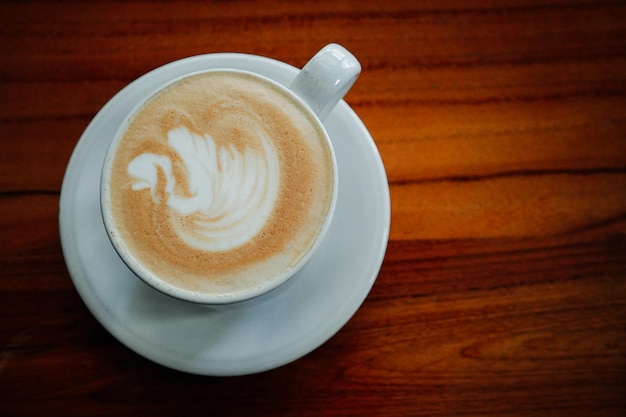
(502, 126)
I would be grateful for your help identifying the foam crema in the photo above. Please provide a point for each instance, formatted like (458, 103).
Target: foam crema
(219, 183)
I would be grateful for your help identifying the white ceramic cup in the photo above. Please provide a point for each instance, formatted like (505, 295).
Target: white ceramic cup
(319, 86)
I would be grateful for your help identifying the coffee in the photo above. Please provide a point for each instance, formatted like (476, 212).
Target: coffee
(219, 183)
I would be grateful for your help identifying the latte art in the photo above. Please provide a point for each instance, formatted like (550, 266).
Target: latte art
(219, 183)
(230, 193)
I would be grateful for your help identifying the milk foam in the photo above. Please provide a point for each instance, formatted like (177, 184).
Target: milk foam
(230, 194)
(219, 183)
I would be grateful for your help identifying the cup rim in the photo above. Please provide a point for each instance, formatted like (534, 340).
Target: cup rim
(167, 288)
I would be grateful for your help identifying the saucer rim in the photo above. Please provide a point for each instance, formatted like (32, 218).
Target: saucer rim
(81, 278)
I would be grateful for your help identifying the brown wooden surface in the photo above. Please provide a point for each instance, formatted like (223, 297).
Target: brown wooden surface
(502, 125)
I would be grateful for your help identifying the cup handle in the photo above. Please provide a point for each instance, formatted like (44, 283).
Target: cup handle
(326, 78)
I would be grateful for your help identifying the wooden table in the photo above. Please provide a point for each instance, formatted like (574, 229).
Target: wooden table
(502, 126)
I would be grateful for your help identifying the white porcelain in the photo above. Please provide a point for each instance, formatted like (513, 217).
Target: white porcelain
(258, 335)
(326, 78)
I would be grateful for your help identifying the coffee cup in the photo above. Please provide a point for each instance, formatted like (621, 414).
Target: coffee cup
(219, 186)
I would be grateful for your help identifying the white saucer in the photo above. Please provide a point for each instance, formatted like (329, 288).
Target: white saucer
(255, 336)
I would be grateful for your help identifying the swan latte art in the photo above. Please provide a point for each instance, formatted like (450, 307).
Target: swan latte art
(220, 182)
